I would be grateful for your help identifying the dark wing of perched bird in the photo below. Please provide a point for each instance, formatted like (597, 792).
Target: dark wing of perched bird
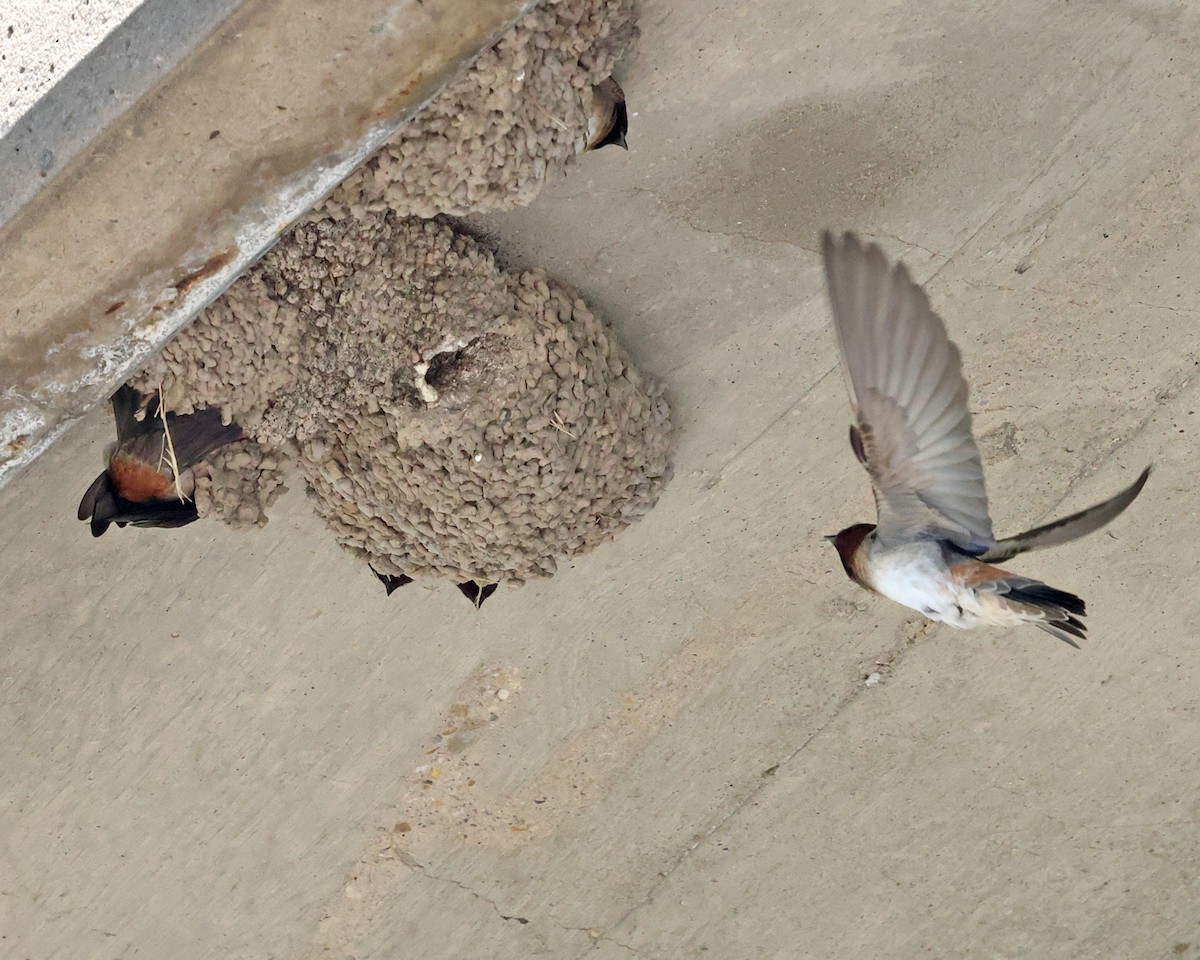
(609, 121)
(391, 583)
(913, 431)
(111, 509)
(125, 404)
(477, 592)
(193, 436)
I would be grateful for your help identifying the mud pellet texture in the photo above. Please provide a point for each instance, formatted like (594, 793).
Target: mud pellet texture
(450, 419)
(519, 114)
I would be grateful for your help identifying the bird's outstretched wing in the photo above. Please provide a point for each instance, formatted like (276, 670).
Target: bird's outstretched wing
(1068, 528)
(905, 376)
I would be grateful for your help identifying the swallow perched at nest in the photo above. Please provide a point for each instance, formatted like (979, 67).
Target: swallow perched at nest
(932, 548)
(138, 484)
(474, 591)
(609, 121)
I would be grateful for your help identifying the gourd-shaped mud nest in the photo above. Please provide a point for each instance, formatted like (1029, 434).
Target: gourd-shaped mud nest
(449, 418)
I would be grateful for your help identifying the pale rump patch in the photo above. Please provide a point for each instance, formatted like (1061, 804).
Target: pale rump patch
(972, 573)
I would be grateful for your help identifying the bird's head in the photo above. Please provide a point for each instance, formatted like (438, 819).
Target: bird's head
(848, 542)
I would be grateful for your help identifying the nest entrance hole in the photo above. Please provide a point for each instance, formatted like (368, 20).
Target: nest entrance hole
(442, 366)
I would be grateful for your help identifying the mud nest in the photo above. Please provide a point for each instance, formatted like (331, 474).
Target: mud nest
(238, 483)
(488, 141)
(450, 419)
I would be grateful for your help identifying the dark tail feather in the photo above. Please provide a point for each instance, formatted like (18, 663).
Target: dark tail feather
(1038, 594)
(1065, 632)
(99, 505)
(1062, 610)
(87, 506)
(1068, 528)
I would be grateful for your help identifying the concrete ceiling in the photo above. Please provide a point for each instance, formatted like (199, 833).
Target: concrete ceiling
(223, 744)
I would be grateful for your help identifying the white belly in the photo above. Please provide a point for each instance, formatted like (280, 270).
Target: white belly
(915, 576)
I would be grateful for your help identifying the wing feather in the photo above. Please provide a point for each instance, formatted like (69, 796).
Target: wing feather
(910, 399)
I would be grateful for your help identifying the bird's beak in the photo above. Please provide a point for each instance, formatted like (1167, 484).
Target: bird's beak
(831, 537)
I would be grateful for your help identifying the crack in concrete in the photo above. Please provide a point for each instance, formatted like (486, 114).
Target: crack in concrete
(738, 454)
(598, 936)
(416, 866)
(1053, 160)
(1107, 294)
(910, 243)
(1163, 397)
(855, 690)
(676, 211)
(1163, 306)
(594, 933)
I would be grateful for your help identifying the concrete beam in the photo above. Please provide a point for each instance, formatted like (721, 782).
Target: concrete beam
(42, 130)
(159, 214)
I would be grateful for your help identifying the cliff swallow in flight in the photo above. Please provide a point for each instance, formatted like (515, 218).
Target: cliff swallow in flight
(932, 548)
(609, 121)
(138, 485)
